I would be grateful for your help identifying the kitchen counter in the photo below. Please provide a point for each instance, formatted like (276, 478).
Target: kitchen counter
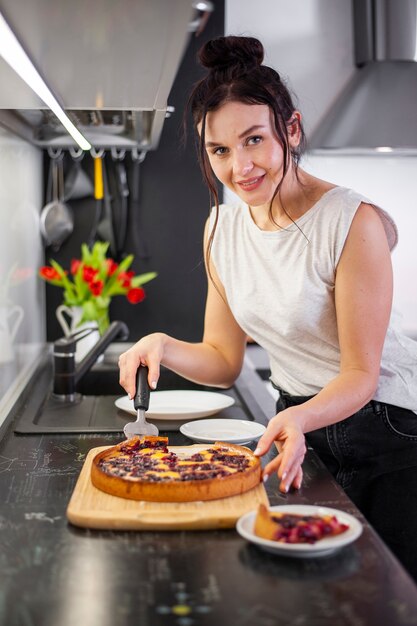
(55, 574)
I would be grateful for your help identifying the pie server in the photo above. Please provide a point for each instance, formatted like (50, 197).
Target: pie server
(141, 404)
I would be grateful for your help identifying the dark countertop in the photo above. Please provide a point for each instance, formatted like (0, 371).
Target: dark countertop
(54, 574)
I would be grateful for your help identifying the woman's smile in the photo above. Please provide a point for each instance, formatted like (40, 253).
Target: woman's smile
(251, 183)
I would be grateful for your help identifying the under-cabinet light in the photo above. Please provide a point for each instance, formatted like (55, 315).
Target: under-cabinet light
(13, 53)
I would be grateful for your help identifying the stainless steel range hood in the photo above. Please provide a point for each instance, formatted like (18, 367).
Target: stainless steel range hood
(111, 65)
(377, 111)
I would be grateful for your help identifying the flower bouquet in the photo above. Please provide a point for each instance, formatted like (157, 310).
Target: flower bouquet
(93, 280)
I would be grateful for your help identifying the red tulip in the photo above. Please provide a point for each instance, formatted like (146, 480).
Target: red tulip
(96, 287)
(125, 278)
(89, 273)
(75, 265)
(49, 273)
(111, 266)
(136, 295)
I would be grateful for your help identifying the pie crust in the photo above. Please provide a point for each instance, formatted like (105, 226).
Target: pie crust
(143, 468)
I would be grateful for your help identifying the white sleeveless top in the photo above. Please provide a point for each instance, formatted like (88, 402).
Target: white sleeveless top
(280, 288)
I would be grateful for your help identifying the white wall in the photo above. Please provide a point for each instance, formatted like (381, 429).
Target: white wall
(392, 184)
(311, 42)
(22, 312)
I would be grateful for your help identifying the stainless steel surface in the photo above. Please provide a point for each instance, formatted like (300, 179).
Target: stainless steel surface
(376, 113)
(140, 427)
(111, 66)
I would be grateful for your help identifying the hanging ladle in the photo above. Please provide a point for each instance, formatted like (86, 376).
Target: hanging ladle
(56, 218)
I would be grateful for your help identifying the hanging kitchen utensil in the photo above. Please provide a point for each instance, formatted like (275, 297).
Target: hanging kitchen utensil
(114, 203)
(98, 193)
(56, 218)
(77, 184)
(105, 226)
(141, 404)
(120, 201)
(135, 223)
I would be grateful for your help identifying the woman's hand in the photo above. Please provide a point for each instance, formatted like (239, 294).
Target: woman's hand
(148, 351)
(286, 431)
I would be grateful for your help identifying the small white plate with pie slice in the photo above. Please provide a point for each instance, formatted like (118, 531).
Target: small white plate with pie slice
(323, 547)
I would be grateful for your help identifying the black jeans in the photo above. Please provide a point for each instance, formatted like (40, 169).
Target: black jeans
(373, 456)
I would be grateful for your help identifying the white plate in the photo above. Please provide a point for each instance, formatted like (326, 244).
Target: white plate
(175, 407)
(323, 547)
(232, 431)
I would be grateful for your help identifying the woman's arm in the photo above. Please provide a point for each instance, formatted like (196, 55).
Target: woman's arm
(363, 297)
(216, 360)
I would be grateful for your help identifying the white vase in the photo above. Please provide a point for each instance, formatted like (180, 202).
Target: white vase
(10, 320)
(74, 313)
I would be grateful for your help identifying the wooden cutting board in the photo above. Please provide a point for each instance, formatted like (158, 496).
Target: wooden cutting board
(91, 508)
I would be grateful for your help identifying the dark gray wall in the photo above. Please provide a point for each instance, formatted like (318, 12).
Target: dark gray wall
(170, 216)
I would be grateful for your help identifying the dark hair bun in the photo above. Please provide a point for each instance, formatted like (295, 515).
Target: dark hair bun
(244, 52)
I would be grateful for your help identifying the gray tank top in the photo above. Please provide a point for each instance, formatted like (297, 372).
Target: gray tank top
(280, 288)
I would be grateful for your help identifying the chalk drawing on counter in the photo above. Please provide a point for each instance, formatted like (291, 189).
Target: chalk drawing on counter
(42, 517)
(65, 446)
(35, 466)
(67, 470)
(8, 465)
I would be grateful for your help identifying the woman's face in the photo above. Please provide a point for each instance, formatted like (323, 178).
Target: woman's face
(244, 151)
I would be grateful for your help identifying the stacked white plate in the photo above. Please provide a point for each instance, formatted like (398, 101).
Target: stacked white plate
(170, 409)
(230, 431)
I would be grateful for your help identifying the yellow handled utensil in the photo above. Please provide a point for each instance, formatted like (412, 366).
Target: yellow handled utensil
(98, 179)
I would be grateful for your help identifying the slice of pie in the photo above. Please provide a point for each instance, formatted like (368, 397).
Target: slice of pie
(291, 528)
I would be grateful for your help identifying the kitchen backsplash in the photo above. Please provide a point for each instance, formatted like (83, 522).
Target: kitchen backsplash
(22, 306)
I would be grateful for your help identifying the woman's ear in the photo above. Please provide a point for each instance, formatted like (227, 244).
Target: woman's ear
(294, 129)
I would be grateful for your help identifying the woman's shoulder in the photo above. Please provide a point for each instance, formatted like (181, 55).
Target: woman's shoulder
(345, 202)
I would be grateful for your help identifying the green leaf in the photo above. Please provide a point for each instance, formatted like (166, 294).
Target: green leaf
(125, 264)
(57, 267)
(68, 285)
(71, 300)
(116, 289)
(143, 278)
(112, 287)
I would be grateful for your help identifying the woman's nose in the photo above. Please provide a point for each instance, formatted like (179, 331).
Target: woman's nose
(242, 166)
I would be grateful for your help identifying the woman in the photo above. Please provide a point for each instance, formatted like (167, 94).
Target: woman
(303, 267)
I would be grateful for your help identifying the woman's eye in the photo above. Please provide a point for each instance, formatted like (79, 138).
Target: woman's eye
(254, 140)
(220, 151)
